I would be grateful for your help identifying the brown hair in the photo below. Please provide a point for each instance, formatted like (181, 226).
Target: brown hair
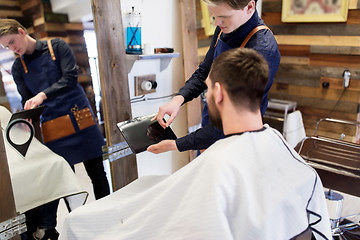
(10, 26)
(235, 4)
(243, 73)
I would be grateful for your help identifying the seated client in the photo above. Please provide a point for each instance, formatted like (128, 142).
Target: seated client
(249, 185)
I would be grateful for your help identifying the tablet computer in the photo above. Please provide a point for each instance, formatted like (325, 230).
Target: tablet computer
(141, 132)
(33, 114)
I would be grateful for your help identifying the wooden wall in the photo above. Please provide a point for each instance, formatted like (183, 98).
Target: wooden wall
(313, 53)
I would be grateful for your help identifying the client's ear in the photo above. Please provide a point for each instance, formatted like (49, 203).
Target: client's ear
(218, 90)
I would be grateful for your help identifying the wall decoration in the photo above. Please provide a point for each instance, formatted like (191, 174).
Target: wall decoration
(314, 10)
(207, 21)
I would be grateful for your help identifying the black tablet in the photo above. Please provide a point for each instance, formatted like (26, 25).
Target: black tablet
(141, 132)
(33, 114)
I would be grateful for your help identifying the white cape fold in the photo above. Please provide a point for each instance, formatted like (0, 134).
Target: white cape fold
(41, 176)
(248, 186)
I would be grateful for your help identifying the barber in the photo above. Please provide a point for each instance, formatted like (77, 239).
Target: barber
(45, 74)
(238, 25)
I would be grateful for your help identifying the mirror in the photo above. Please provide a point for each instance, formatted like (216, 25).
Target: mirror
(19, 134)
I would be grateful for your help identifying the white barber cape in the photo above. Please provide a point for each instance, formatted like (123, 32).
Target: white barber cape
(248, 186)
(41, 176)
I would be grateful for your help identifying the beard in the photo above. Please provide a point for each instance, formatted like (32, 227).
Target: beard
(214, 114)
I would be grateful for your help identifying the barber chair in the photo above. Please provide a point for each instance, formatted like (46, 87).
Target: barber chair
(338, 164)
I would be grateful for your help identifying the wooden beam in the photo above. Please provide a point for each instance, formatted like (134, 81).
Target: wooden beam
(7, 201)
(114, 83)
(190, 47)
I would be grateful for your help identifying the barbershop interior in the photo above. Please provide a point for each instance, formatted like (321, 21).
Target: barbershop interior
(95, 144)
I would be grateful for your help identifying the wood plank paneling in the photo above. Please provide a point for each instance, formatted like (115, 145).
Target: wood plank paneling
(353, 50)
(318, 40)
(337, 83)
(314, 51)
(311, 29)
(309, 75)
(294, 50)
(312, 102)
(316, 92)
(333, 60)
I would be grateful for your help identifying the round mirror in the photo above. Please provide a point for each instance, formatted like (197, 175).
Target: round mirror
(19, 134)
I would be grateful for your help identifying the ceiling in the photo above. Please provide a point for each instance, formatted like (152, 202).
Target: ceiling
(77, 10)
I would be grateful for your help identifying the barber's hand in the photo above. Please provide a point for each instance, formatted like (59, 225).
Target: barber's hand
(35, 101)
(171, 108)
(163, 146)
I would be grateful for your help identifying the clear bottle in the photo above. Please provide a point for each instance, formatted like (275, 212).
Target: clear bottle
(133, 33)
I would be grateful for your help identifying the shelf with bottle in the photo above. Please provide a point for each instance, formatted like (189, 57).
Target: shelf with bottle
(164, 58)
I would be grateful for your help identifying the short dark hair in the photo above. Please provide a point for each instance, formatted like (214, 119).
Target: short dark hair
(235, 4)
(243, 73)
(10, 26)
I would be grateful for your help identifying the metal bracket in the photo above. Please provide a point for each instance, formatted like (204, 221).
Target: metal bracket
(13, 227)
(116, 151)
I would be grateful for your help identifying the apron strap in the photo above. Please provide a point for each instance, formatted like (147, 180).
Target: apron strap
(218, 38)
(252, 33)
(248, 36)
(23, 64)
(51, 50)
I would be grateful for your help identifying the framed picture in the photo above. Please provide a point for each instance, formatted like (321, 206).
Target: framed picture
(207, 21)
(314, 10)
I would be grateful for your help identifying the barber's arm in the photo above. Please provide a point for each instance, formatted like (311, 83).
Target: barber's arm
(200, 139)
(20, 83)
(67, 62)
(193, 87)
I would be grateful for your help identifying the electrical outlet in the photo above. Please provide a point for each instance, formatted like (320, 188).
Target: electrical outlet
(145, 84)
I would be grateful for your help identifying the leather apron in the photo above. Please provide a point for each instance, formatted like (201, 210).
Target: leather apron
(85, 144)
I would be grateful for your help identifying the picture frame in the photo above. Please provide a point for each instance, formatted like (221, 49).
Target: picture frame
(314, 10)
(207, 21)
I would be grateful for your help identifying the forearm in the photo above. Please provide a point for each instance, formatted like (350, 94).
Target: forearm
(200, 139)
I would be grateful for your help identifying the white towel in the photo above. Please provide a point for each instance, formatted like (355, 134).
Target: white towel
(294, 128)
